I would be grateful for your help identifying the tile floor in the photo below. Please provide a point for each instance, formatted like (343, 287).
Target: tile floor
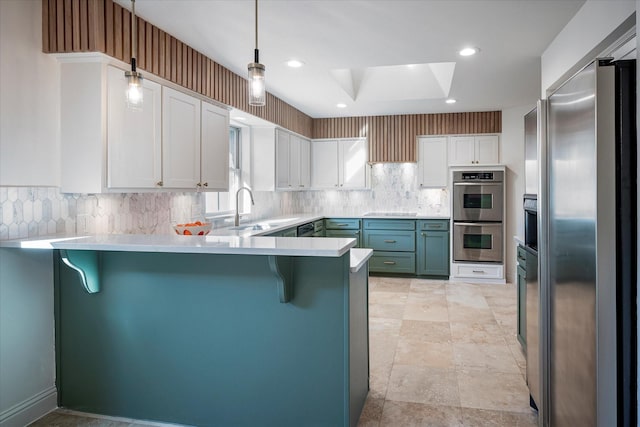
(442, 354)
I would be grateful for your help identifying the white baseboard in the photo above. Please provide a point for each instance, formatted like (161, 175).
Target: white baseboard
(31, 409)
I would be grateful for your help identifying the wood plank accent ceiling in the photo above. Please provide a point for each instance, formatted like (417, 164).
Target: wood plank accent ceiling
(104, 26)
(393, 138)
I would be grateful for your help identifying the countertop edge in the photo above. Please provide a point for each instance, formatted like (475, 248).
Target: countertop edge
(358, 258)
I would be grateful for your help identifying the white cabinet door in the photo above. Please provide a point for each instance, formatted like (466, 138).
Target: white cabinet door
(324, 167)
(432, 161)
(134, 138)
(487, 149)
(462, 150)
(294, 162)
(353, 162)
(282, 159)
(474, 150)
(180, 140)
(305, 164)
(214, 149)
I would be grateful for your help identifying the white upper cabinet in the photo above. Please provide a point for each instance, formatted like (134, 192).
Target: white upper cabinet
(432, 161)
(339, 164)
(106, 147)
(134, 138)
(181, 140)
(283, 140)
(353, 162)
(214, 148)
(474, 150)
(324, 164)
(305, 164)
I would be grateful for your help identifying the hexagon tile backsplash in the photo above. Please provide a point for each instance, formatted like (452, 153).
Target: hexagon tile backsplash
(40, 211)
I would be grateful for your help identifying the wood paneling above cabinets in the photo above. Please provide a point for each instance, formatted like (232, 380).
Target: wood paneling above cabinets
(104, 26)
(393, 138)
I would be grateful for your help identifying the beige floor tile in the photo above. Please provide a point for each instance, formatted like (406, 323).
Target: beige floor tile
(422, 353)
(427, 297)
(478, 333)
(379, 381)
(485, 418)
(388, 311)
(371, 413)
(467, 300)
(426, 311)
(419, 384)
(382, 351)
(388, 284)
(376, 297)
(489, 357)
(460, 314)
(389, 327)
(508, 290)
(436, 287)
(406, 414)
(426, 331)
(518, 354)
(493, 390)
(502, 301)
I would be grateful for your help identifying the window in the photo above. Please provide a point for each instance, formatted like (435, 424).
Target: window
(222, 201)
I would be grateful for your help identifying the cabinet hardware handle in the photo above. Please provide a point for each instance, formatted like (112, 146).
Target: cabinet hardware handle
(342, 225)
(159, 183)
(389, 241)
(206, 184)
(341, 185)
(435, 226)
(198, 185)
(357, 232)
(300, 185)
(389, 262)
(423, 234)
(336, 185)
(478, 271)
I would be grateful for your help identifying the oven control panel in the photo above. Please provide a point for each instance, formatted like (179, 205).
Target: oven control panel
(478, 176)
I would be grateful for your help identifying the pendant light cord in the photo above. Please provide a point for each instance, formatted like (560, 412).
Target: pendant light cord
(134, 36)
(255, 53)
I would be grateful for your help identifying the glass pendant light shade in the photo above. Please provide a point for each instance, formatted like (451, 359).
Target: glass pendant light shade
(257, 92)
(134, 92)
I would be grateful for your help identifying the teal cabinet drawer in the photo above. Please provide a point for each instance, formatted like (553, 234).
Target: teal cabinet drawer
(392, 262)
(433, 225)
(342, 223)
(389, 224)
(353, 234)
(522, 257)
(384, 240)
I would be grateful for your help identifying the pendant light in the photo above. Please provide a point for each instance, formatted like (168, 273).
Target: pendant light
(257, 91)
(134, 78)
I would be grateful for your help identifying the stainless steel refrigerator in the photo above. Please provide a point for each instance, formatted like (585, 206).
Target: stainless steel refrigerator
(588, 232)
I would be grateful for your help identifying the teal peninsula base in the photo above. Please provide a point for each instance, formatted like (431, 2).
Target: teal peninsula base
(204, 339)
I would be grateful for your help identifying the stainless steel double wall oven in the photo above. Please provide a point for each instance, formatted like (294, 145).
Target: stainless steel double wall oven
(477, 216)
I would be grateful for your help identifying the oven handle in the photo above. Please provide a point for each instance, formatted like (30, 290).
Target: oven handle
(478, 224)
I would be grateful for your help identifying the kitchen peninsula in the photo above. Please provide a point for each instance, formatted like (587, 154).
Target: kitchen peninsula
(210, 330)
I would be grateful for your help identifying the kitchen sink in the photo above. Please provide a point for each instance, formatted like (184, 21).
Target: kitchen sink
(250, 227)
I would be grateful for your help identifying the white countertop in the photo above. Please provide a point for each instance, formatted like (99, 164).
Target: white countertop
(246, 239)
(358, 257)
(284, 246)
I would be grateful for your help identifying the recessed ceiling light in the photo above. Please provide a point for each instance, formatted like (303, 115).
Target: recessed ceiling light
(242, 119)
(294, 63)
(450, 101)
(341, 105)
(468, 51)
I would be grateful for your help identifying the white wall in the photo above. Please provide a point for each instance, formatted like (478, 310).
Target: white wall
(592, 29)
(512, 157)
(27, 359)
(30, 98)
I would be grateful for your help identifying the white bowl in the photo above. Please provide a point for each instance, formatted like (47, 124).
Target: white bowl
(193, 228)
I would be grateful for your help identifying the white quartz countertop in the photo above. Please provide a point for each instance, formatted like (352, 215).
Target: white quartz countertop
(358, 258)
(247, 239)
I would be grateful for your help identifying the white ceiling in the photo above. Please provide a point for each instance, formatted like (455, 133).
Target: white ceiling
(331, 36)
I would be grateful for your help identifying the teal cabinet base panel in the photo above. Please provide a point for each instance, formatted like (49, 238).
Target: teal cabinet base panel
(204, 340)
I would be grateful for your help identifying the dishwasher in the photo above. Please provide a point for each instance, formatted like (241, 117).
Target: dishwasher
(306, 230)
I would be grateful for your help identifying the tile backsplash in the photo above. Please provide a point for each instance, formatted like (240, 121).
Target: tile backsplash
(40, 211)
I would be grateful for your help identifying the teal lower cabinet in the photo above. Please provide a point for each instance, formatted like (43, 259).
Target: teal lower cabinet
(432, 253)
(289, 232)
(522, 297)
(393, 242)
(432, 241)
(392, 262)
(343, 227)
(204, 340)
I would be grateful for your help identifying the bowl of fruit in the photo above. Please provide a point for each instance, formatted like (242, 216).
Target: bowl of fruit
(197, 228)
